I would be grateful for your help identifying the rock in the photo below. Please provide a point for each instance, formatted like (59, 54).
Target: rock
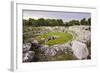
(50, 52)
(26, 47)
(67, 49)
(35, 45)
(50, 38)
(44, 48)
(56, 48)
(28, 56)
(80, 50)
(35, 41)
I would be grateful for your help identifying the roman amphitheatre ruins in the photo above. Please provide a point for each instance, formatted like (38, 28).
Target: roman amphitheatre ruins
(57, 43)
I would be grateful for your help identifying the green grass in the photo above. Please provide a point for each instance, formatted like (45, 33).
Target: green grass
(62, 38)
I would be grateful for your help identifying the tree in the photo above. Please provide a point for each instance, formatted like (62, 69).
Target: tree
(77, 22)
(25, 22)
(66, 24)
(53, 22)
(30, 21)
(73, 22)
(34, 22)
(89, 21)
(41, 22)
(84, 22)
(60, 22)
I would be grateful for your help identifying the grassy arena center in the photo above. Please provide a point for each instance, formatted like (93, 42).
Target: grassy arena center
(53, 38)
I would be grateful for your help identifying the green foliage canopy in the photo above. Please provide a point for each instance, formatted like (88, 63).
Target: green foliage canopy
(55, 22)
